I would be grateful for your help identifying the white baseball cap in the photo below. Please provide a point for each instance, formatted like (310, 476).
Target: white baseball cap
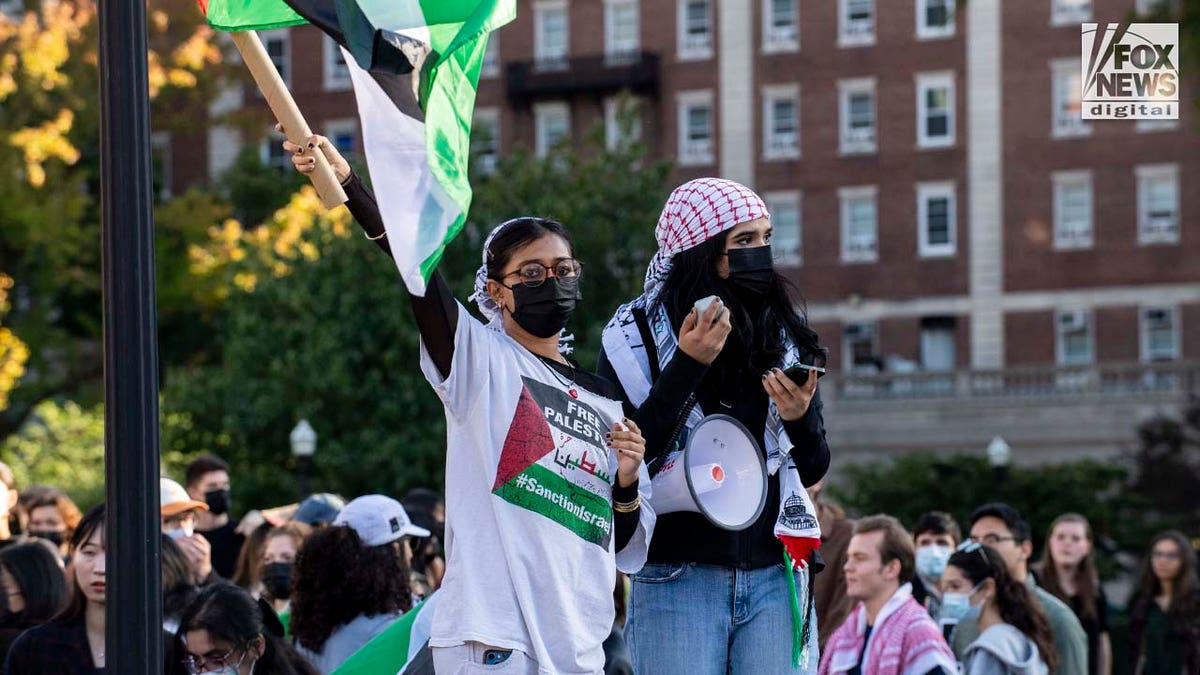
(378, 520)
(173, 499)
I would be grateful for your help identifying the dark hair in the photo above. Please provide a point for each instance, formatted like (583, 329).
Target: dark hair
(206, 463)
(517, 233)
(39, 575)
(1087, 580)
(420, 504)
(1013, 520)
(337, 579)
(1014, 601)
(178, 578)
(230, 614)
(247, 571)
(937, 522)
(59, 500)
(755, 340)
(91, 523)
(1184, 609)
(896, 544)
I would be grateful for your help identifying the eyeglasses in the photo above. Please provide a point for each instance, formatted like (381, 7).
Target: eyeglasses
(990, 539)
(534, 274)
(196, 665)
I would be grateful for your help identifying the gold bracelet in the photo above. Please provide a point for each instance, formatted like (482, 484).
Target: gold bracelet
(628, 507)
(381, 235)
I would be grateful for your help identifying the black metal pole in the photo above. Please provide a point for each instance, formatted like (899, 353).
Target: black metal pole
(134, 609)
(304, 468)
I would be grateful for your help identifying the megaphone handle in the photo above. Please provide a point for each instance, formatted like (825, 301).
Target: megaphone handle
(681, 422)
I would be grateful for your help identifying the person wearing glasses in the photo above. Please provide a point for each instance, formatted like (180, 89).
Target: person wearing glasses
(1014, 637)
(225, 631)
(714, 332)
(544, 475)
(1165, 612)
(1002, 528)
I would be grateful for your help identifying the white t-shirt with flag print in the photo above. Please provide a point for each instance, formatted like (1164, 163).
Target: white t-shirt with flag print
(530, 563)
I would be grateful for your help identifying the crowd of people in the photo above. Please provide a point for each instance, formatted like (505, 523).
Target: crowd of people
(547, 554)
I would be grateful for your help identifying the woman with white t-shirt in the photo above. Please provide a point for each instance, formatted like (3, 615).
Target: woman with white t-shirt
(546, 493)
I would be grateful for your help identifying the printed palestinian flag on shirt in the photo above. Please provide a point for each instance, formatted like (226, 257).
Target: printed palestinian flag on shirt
(415, 66)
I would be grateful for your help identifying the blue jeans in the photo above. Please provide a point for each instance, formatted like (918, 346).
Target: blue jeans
(691, 619)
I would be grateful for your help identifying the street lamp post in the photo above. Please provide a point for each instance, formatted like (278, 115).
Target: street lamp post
(999, 455)
(304, 445)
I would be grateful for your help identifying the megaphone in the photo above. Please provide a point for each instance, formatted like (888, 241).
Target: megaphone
(720, 474)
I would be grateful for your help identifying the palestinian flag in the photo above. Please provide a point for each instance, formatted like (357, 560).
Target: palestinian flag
(398, 647)
(414, 65)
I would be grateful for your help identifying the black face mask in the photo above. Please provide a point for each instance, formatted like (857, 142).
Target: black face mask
(218, 501)
(545, 309)
(751, 270)
(55, 538)
(277, 580)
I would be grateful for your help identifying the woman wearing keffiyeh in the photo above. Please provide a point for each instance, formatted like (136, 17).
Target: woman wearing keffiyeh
(711, 600)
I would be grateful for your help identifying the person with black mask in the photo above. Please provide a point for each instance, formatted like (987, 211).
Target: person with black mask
(34, 587)
(544, 475)
(280, 548)
(713, 333)
(206, 479)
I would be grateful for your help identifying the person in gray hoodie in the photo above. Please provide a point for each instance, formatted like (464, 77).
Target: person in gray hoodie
(1015, 637)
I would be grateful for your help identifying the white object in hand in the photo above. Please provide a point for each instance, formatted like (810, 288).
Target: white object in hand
(703, 303)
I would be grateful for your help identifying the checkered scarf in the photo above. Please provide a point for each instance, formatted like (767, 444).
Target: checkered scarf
(695, 212)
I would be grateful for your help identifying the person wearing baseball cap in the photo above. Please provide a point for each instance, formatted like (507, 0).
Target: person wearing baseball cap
(178, 511)
(380, 520)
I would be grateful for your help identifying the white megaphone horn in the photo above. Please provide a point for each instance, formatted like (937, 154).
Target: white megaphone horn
(720, 474)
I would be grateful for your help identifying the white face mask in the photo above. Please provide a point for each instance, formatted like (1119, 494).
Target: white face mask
(957, 606)
(182, 531)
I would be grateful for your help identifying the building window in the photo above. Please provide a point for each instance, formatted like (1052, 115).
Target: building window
(622, 122)
(1074, 338)
(936, 219)
(485, 139)
(785, 226)
(337, 73)
(695, 29)
(935, 19)
(1159, 333)
(491, 56)
(935, 110)
(856, 23)
(938, 343)
(1158, 204)
(781, 122)
(781, 25)
(278, 43)
(621, 30)
(272, 153)
(695, 128)
(343, 134)
(550, 37)
(1072, 209)
(857, 114)
(861, 348)
(1068, 106)
(1068, 12)
(859, 224)
(552, 122)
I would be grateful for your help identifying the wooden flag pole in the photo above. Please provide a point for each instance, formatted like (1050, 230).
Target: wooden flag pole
(287, 113)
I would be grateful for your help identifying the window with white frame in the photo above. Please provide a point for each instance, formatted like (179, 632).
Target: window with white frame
(860, 347)
(278, 43)
(1159, 333)
(621, 30)
(781, 25)
(485, 139)
(935, 19)
(622, 121)
(856, 22)
(1067, 12)
(337, 73)
(856, 103)
(1072, 209)
(936, 210)
(935, 109)
(781, 121)
(859, 224)
(343, 134)
(695, 127)
(552, 122)
(1073, 333)
(784, 208)
(1158, 203)
(695, 29)
(491, 56)
(550, 34)
(1067, 117)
